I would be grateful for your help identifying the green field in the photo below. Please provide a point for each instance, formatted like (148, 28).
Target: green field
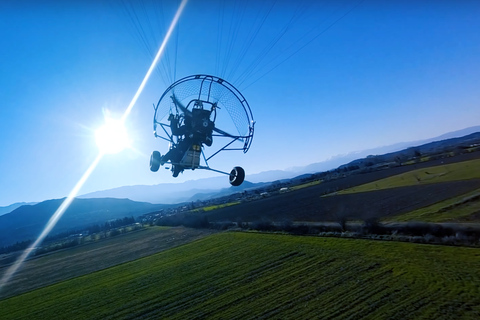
(237, 275)
(444, 173)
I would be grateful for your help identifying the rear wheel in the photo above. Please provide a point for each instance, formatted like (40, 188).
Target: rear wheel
(237, 175)
(155, 161)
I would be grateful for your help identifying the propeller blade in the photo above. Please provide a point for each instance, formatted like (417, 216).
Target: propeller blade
(225, 133)
(179, 105)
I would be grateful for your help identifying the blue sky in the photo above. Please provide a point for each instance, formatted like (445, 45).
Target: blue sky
(385, 72)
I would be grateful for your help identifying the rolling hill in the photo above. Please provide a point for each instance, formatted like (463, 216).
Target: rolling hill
(26, 222)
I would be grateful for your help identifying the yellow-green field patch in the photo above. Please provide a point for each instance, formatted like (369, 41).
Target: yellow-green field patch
(306, 185)
(217, 206)
(444, 173)
(247, 275)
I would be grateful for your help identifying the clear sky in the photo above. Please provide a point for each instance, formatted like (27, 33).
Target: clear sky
(349, 76)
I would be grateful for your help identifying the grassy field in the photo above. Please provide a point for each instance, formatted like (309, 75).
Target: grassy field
(246, 275)
(450, 172)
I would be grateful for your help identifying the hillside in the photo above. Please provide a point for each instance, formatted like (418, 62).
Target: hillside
(26, 222)
(424, 152)
(246, 275)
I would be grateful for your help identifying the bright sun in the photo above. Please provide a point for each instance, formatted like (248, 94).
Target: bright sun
(112, 136)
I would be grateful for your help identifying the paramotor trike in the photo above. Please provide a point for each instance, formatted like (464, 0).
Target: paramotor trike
(194, 113)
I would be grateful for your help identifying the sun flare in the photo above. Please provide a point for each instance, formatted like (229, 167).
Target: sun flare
(112, 137)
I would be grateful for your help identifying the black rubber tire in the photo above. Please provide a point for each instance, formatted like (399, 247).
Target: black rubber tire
(155, 161)
(237, 175)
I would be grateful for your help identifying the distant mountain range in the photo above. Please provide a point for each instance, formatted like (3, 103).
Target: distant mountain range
(10, 208)
(337, 161)
(27, 222)
(192, 190)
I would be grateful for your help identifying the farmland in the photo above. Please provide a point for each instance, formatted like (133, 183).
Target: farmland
(464, 170)
(398, 192)
(52, 268)
(464, 208)
(246, 275)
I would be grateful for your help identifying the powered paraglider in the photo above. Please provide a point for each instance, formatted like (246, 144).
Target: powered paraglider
(197, 112)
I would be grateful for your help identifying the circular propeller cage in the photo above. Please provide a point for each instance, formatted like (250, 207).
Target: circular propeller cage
(232, 115)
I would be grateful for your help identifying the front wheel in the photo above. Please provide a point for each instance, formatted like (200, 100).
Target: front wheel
(237, 175)
(155, 161)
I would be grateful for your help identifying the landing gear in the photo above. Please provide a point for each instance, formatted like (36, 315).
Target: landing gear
(176, 169)
(155, 161)
(237, 175)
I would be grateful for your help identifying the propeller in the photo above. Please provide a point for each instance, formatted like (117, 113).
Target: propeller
(179, 105)
(223, 132)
